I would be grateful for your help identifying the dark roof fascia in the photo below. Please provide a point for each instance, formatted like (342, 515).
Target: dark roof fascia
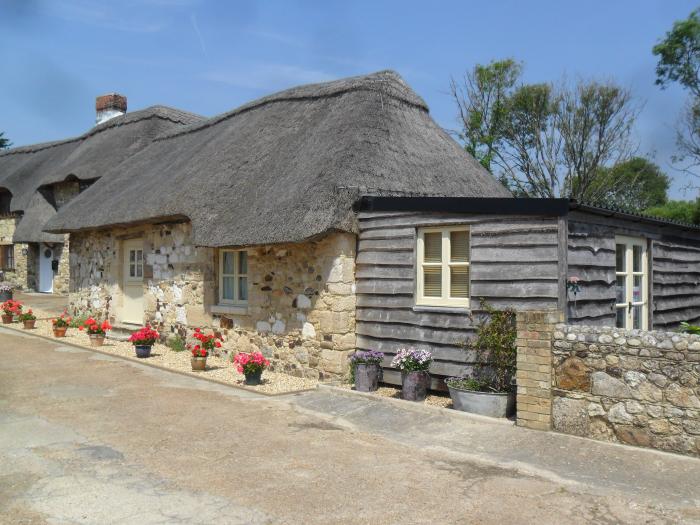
(632, 217)
(476, 205)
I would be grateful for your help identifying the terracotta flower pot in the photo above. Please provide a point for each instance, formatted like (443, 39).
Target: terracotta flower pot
(60, 331)
(29, 324)
(97, 339)
(199, 363)
(6, 319)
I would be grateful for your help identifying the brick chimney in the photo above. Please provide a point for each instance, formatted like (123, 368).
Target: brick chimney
(109, 106)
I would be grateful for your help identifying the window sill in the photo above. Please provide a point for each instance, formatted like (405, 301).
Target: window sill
(229, 309)
(442, 309)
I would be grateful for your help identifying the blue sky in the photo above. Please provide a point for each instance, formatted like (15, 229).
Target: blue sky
(208, 57)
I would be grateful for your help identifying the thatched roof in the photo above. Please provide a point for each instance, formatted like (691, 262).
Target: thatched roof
(25, 169)
(286, 167)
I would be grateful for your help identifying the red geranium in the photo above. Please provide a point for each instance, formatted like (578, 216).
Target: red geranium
(93, 327)
(146, 336)
(250, 363)
(11, 307)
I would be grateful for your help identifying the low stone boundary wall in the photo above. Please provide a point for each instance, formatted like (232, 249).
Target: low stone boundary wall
(634, 387)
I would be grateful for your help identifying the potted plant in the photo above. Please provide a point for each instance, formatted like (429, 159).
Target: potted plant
(28, 318)
(5, 292)
(96, 330)
(366, 370)
(489, 390)
(10, 308)
(61, 324)
(415, 378)
(251, 364)
(143, 340)
(200, 351)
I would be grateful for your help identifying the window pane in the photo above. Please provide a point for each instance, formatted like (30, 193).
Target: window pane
(459, 282)
(621, 289)
(432, 244)
(227, 288)
(459, 246)
(637, 317)
(132, 255)
(242, 288)
(620, 251)
(242, 263)
(132, 270)
(228, 262)
(636, 258)
(432, 282)
(621, 315)
(637, 289)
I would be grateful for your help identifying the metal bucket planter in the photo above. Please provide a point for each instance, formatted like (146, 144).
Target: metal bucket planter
(5, 296)
(60, 331)
(199, 364)
(142, 351)
(492, 404)
(7, 319)
(414, 385)
(253, 378)
(367, 377)
(29, 324)
(97, 339)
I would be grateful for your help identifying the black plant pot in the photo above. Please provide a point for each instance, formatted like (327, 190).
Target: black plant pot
(253, 378)
(143, 351)
(367, 377)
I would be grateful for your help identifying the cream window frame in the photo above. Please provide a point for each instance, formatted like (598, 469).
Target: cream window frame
(236, 275)
(446, 264)
(629, 274)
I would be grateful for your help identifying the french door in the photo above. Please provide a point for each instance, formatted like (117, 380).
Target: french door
(632, 283)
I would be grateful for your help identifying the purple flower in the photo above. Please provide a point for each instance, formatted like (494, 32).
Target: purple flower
(366, 356)
(410, 359)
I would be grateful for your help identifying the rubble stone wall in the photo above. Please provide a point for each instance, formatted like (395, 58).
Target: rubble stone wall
(301, 304)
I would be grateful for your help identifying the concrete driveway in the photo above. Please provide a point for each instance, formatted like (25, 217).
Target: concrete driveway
(87, 438)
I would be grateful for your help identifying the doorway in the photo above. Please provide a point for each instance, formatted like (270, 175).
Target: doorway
(45, 284)
(132, 310)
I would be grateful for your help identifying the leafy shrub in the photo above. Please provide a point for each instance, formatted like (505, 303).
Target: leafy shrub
(177, 343)
(690, 328)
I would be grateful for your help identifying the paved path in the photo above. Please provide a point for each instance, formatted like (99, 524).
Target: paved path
(86, 438)
(45, 304)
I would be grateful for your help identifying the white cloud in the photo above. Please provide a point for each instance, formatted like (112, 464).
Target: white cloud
(267, 76)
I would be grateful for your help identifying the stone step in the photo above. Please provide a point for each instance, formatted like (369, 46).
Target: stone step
(122, 331)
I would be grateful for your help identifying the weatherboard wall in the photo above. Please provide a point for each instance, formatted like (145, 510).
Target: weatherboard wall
(674, 263)
(514, 263)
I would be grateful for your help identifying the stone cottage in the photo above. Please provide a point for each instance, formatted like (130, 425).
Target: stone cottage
(37, 180)
(338, 216)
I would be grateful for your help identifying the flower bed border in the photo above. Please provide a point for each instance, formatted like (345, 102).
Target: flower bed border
(62, 342)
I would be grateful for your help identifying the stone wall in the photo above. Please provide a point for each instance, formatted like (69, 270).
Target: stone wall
(633, 387)
(7, 230)
(301, 307)
(65, 191)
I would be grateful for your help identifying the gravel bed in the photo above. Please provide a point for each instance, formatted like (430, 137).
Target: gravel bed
(218, 368)
(438, 399)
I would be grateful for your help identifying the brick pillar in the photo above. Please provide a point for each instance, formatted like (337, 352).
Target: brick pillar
(534, 373)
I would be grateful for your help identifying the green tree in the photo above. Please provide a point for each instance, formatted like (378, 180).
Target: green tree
(544, 140)
(636, 184)
(681, 211)
(481, 98)
(678, 55)
(4, 142)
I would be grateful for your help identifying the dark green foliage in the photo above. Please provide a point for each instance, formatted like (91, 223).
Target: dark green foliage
(4, 141)
(690, 328)
(680, 211)
(495, 340)
(635, 185)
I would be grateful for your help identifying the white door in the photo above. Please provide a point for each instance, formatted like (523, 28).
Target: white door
(132, 310)
(45, 269)
(631, 270)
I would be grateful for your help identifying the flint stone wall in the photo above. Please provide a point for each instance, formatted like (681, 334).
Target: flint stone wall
(301, 305)
(634, 387)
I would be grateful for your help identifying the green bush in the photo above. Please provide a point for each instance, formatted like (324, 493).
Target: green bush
(690, 328)
(177, 344)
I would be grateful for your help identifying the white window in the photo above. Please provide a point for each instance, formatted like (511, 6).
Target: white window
(631, 270)
(443, 267)
(135, 265)
(233, 277)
